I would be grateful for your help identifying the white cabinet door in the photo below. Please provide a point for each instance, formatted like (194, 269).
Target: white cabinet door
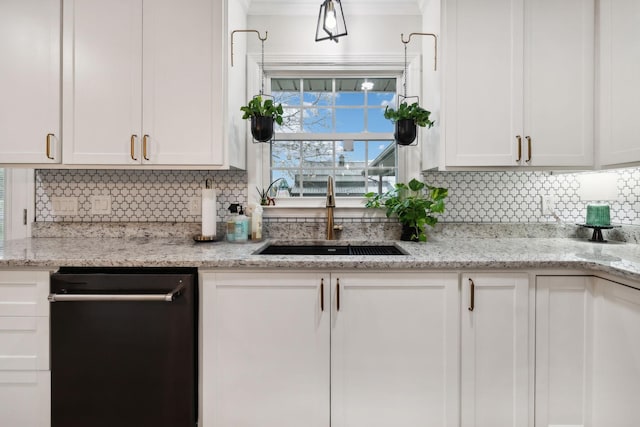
(563, 350)
(25, 386)
(519, 82)
(30, 81)
(25, 398)
(394, 349)
(559, 82)
(616, 355)
(102, 81)
(24, 343)
(264, 340)
(619, 108)
(495, 350)
(178, 83)
(24, 293)
(483, 81)
(143, 84)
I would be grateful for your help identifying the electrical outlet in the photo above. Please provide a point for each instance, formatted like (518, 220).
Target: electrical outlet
(64, 206)
(194, 205)
(100, 205)
(548, 205)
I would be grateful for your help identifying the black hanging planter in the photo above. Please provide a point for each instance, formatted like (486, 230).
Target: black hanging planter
(409, 233)
(406, 131)
(262, 128)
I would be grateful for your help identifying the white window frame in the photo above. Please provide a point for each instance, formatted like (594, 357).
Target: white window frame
(259, 156)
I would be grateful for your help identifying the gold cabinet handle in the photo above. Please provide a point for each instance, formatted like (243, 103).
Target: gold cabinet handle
(528, 138)
(49, 136)
(133, 147)
(338, 294)
(145, 139)
(321, 294)
(519, 139)
(472, 297)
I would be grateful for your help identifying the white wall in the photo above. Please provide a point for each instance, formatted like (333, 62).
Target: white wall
(368, 35)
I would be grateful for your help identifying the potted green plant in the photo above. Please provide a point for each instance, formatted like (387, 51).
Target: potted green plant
(413, 204)
(406, 118)
(262, 115)
(265, 195)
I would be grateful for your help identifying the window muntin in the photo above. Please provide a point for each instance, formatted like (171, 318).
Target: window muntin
(310, 144)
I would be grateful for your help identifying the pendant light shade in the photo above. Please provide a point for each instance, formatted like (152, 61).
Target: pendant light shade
(331, 23)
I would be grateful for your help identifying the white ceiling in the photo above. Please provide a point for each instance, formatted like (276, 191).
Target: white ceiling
(351, 7)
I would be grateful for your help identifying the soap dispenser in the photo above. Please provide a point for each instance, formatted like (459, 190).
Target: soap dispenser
(242, 226)
(231, 222)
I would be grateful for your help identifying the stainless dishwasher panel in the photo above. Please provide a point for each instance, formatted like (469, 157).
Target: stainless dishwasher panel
(123, 347)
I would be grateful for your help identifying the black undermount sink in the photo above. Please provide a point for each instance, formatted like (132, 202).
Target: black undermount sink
(315, 249)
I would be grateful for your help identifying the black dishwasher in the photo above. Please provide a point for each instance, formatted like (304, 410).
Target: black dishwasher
(124, 347)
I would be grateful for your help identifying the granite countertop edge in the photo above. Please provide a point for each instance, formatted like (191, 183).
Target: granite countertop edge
(620, 259)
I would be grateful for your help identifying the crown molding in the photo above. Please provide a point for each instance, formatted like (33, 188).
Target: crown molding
(350, 7)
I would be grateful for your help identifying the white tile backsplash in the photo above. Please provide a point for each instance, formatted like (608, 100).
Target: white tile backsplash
(163, 196)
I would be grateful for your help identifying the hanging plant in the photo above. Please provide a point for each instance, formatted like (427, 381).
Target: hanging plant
(406, 118)
(262, 115)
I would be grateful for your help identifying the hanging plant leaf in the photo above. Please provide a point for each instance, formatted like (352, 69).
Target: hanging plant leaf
(419, 115)
(256, 107)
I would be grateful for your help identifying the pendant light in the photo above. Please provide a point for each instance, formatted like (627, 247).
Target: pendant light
(331, 24)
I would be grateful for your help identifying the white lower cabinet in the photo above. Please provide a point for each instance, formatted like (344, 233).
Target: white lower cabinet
(616, 355)
(587, 352)
(394, 349)
(564, 309)
(405, 349)
(495, 350)
(265, 348)
(25, 381)
(25, 398)
(320, 349)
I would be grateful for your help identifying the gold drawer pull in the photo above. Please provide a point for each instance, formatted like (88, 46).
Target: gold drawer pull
(133, 147)
(145, 139)
(49, 136)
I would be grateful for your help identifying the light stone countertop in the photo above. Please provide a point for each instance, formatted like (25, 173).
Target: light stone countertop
(620, 259)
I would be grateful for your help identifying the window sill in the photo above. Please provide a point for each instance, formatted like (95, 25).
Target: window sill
(315, 207)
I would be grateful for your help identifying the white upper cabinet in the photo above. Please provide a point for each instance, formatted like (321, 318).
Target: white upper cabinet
(103, 87)
(518, 83)
(619, 141)
(30, 81)
(144, 83)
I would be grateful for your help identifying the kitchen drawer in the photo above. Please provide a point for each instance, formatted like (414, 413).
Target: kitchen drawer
(24, 343)
(25, 398)
(24, 293)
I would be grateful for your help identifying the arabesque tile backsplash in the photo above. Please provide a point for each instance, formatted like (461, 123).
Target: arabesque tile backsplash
(162, 196)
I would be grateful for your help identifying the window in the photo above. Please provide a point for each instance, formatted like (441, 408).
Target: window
(2, 193)
(334, 126)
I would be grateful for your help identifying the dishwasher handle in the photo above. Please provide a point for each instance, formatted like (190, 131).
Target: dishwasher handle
(165, 297)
